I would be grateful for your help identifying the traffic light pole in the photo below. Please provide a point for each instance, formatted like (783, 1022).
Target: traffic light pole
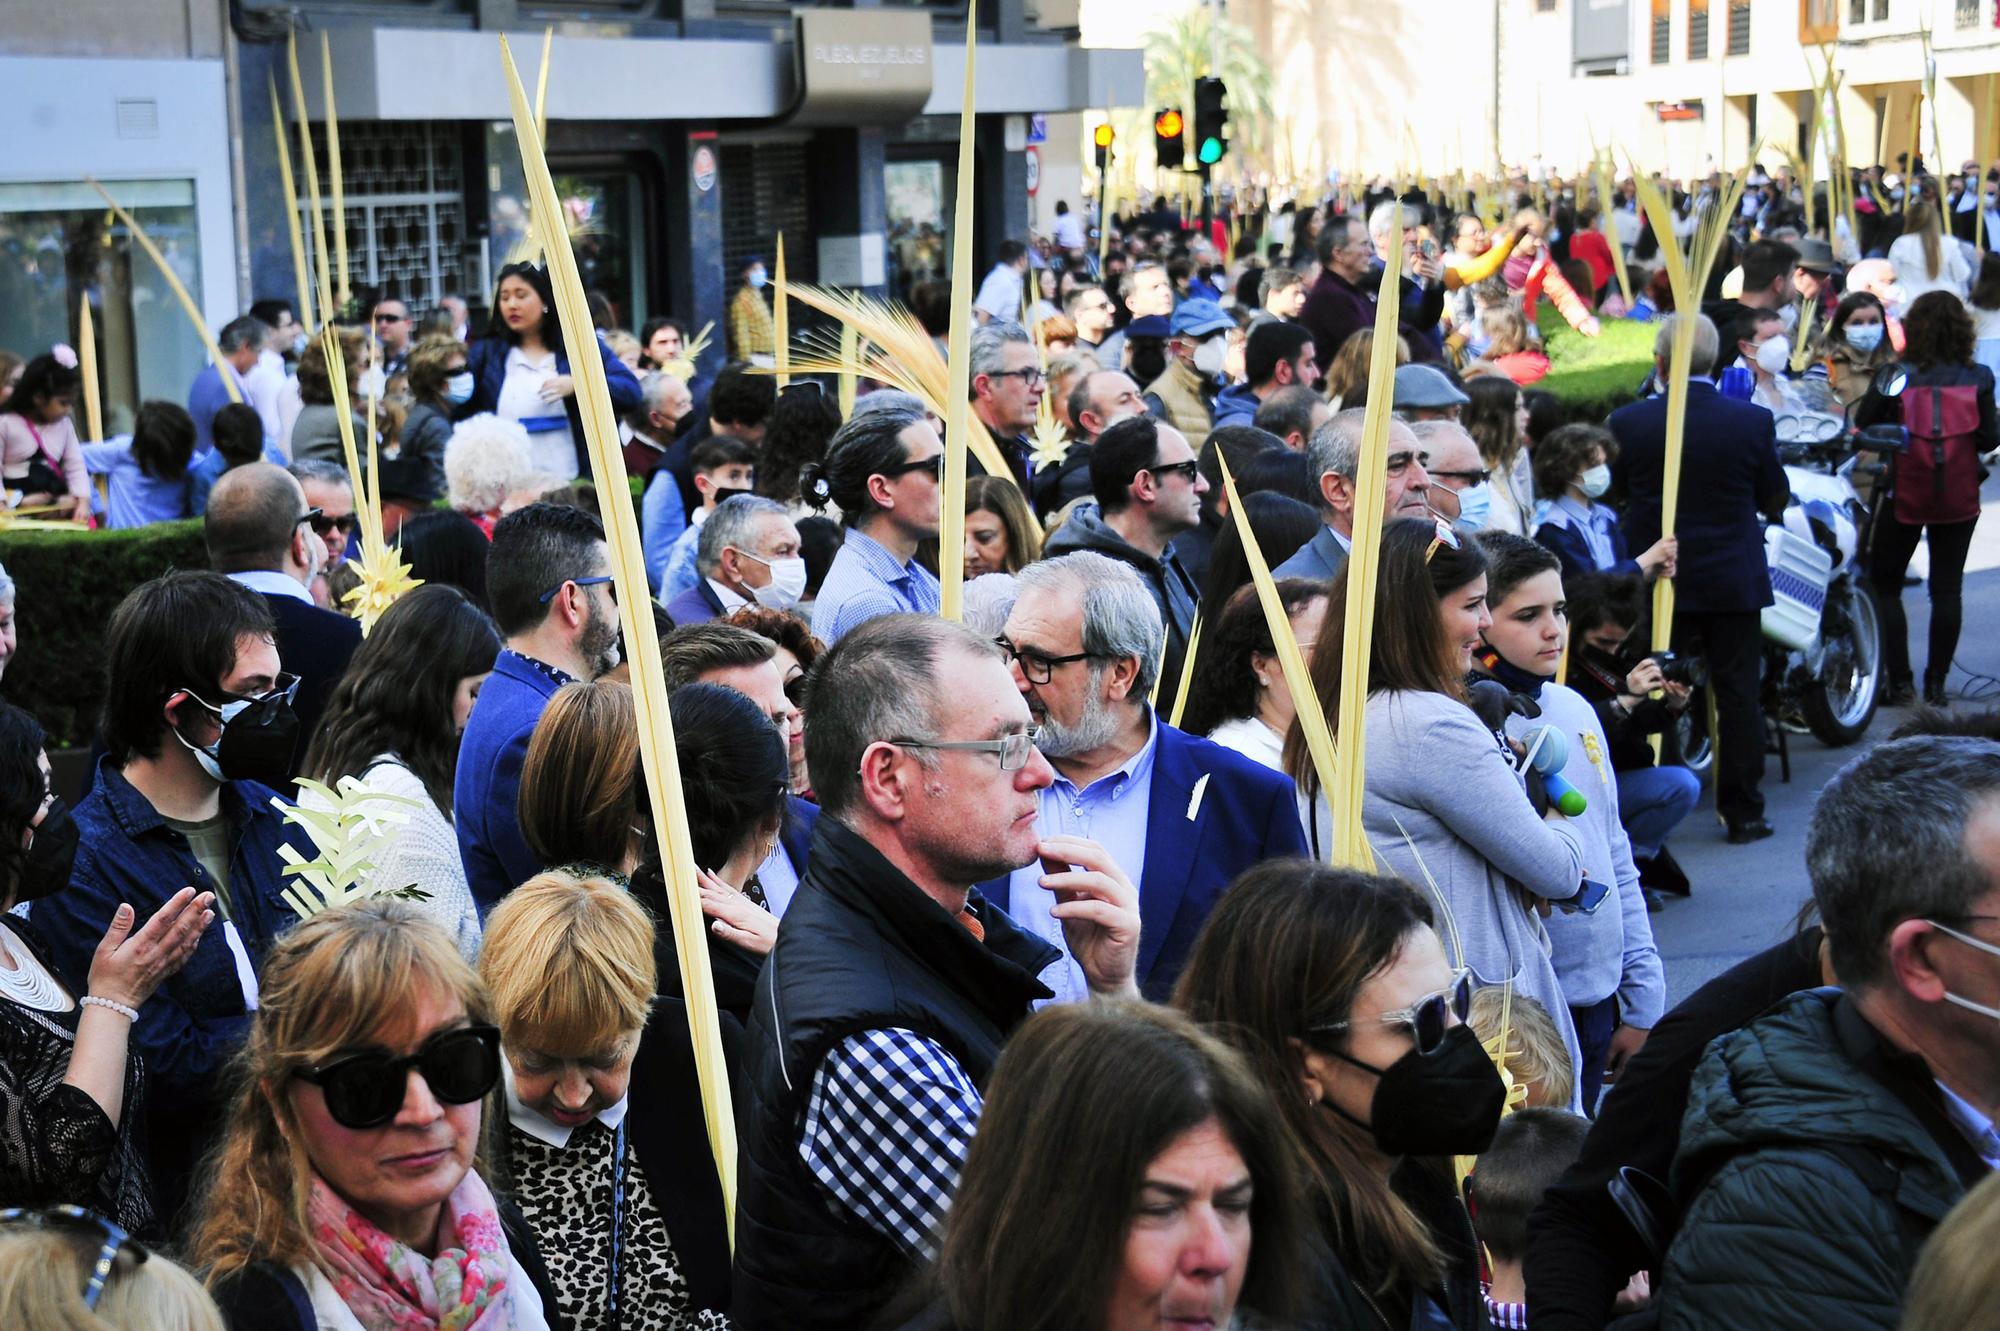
(1207, 203)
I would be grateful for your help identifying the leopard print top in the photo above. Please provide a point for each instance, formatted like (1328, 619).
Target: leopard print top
(565, 1193)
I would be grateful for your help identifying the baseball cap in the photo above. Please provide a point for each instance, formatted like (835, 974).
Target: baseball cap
(1425, 388)
(1199, 318)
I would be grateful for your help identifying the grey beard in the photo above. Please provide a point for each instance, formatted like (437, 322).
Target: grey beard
(1093, 730)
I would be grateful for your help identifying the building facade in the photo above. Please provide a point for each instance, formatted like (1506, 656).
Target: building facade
(685, 136)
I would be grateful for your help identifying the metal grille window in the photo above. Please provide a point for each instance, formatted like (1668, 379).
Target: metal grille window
(403, 185)
(1857, 11)
(1968, 13)
(1697, 29)
(763, 193)
(1739, 27)
(1663, 32)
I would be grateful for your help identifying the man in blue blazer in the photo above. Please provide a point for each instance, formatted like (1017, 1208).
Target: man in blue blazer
(260, 532)
(1333, 457)
(1731, 480)
(1181, 816)
(548, 579)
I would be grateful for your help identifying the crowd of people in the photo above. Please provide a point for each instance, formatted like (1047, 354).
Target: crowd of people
(1039, 1002)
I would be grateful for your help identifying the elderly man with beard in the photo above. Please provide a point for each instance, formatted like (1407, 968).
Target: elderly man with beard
(1181, 816)
(548, 579)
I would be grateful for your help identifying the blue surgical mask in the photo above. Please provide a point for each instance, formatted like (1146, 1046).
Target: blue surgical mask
(1475, 505)
(458, 388)
(1863, 337)
(1595, 481)
(757, 278)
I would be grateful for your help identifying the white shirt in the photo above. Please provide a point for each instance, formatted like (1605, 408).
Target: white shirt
(545, 1129)
(520, 399)
(265, 384)
(1249, 736)
(1000, 294)
(1068, 232)
(270, 582)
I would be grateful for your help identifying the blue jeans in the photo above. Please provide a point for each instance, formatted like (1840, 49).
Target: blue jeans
(1652, 801)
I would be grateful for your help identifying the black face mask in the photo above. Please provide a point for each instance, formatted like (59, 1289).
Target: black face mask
(1444, 1103)
(45, 865)
(258, 737)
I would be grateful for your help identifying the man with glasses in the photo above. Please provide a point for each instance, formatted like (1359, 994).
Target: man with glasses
(1007, 387)
(1461, 489)
(1333, 458)
(549, 584)
(196, 730)
(330, 491)
(1179, 815)
(882, 469)
(260, 530)
(1827, 1139)
(1148, 487)
(1089, 308)
(894, 984)
(392, 328)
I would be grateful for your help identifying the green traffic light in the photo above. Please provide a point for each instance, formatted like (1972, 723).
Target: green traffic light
(1210, 152)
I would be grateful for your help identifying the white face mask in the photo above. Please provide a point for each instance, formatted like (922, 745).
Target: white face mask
(458, 388)
(1983, 946)
(787, 584)
(1774, 355)
(1595, 481)
(1209, 356)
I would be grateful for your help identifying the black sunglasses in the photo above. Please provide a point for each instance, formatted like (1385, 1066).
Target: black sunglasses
(366, 1090)
(93, 1225)
(934, 465)
(327, 526)
(796, 689)
(1187, 471)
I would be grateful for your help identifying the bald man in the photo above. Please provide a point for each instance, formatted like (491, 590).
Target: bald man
(260, 532)
(1461, 489)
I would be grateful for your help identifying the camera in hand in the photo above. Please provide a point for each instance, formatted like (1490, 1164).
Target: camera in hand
(1681, 668)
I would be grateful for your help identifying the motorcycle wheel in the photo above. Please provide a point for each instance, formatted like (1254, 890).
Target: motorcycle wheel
(1840, 706)
(1687, 740)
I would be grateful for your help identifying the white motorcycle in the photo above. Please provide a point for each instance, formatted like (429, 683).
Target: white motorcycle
(1822, 633)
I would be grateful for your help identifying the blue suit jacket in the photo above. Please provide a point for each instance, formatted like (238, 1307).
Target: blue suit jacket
(797, 834)
(1319, 559)
(488, 780)
(315, 645)
(1247, 814)
(697, 605)
(1568, 545)
(486, 358)
(1730, 475)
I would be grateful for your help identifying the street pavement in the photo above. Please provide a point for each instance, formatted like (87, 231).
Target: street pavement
(1747, 898)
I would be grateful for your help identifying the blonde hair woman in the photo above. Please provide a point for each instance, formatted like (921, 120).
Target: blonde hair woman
(48, 1279)
(1925, 259)
(344, 1194)
(1956, 1283)
(570, 963)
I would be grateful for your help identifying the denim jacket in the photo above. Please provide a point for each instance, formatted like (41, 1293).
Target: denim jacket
(197, 1019)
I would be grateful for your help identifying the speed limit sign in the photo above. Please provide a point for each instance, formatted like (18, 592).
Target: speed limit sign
(1034, 169)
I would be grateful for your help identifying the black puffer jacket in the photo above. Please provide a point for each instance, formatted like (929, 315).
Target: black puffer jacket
(1819, 1159)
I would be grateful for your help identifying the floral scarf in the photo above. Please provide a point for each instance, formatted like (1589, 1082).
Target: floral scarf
(390, 1287)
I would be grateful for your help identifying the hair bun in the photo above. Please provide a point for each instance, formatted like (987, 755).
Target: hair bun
(814, 485)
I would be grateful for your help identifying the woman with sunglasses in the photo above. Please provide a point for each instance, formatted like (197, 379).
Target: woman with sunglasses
(881, 472)
(394, 723)
(1338, 991)
(797, 650)
(1443, 805)
(68, 1269)
(603, 1145)
(344, 1193)
(71, 1088)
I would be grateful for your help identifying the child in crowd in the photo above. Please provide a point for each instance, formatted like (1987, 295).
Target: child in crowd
(1573, 469)
(723, 466)
(1536, 1057)
(1529, 1153)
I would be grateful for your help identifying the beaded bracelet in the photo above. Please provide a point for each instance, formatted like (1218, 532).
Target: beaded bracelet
(130, 1014)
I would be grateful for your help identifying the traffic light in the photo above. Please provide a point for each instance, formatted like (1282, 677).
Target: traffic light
(1104, 135)
(1210, 118)
(1167, 147)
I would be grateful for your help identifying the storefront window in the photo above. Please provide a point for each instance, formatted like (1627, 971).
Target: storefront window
(604, 214)
(58, 241)
(918, 232)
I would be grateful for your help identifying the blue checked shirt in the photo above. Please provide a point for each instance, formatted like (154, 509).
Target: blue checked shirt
(888, 1122)
(866, 581)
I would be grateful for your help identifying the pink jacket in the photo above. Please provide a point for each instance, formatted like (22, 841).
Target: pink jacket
(57, 444)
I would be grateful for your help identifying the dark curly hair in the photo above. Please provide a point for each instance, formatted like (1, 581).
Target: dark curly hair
(1937, 330)
(801, 423)
(782, 627)
(43, 379)
(1565, 454)
(1224, 687)
(22, 789)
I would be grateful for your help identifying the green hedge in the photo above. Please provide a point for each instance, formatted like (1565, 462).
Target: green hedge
(68, 583)
(1594, 376)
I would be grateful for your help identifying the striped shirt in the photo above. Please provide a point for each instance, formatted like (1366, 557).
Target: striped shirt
(867, 581)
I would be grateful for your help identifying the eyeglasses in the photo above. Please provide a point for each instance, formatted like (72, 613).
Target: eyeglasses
(1037, 668)
(91, 1224)
(1030, 376)
(1469, 477)
(599, 580)
(1013, 749)
(1429, 1018)
(367, 1089)
(1187, 471)
(327, 526)
(932, 465)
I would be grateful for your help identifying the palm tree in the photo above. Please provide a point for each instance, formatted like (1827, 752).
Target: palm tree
(1192, 44)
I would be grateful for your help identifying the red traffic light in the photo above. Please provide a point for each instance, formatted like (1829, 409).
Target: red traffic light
(1104, 136)
(1169, 125)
